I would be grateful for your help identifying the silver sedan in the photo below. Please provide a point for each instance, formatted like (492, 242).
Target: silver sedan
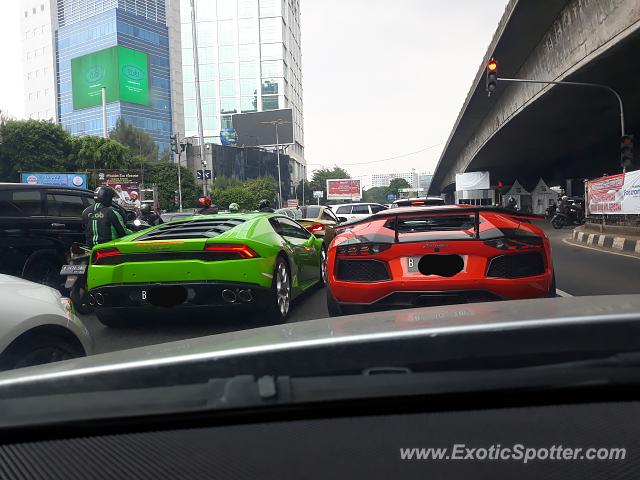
(37, 325)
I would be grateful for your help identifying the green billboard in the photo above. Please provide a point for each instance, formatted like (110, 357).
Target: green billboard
(124, 73)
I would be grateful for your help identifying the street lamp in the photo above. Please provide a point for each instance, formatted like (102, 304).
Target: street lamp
(178, 148)
(277, 123)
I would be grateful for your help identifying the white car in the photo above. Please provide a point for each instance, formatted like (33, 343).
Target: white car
(356, 211)
(37, 325)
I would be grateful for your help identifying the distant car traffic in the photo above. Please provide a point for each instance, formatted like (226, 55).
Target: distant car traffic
(318, 219)
(418, 202)
(38, 225)
(38, 325)
(245, 259)
(356, 211)
(437, 255)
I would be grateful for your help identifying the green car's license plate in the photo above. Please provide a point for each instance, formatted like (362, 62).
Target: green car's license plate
(73, 269)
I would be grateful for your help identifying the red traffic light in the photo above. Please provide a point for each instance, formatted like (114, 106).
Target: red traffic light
(627, 140)
(500, 184)
(492, 66)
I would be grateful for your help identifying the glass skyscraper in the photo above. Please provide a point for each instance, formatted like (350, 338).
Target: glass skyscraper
(87, 26)
(250, 60)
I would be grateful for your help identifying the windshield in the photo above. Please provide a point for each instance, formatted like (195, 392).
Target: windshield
(211, 189)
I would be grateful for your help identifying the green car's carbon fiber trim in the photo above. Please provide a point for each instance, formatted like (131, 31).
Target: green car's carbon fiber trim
(192, 234)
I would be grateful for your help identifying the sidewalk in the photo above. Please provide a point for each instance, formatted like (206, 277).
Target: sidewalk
(607, 241)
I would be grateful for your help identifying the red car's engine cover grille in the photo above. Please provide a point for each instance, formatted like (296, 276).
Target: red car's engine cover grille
(362, 270)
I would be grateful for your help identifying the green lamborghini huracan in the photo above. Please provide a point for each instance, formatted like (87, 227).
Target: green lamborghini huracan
(259, 259)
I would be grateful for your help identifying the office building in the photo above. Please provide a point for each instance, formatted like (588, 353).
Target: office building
(38, 23)
(249, 60)
(125, 45)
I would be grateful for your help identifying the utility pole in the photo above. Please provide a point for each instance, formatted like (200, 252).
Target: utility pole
(196, 72)
(277, 123)
(105, 127)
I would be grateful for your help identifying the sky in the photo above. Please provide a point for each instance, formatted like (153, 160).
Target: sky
(382, 79)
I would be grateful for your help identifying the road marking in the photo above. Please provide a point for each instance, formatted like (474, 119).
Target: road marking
(565, 240)
(562, 293)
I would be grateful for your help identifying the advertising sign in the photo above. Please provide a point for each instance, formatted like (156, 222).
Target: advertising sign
(344, 189)
(72, 180)
(124, 73)
(318, 193)
(472, 181)
(615, 194)
(228, 136)
(293, 202)
(125, 182)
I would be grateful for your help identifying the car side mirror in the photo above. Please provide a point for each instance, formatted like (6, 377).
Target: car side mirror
(343, 219)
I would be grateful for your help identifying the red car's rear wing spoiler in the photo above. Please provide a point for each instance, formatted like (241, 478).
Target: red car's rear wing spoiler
(446, 209)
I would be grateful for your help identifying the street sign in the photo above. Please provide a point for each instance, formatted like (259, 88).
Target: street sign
(293, 202)
(318, 193)
(391, 197)
(207, 173)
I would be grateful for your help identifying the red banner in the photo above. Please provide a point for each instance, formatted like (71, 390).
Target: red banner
(344, 189)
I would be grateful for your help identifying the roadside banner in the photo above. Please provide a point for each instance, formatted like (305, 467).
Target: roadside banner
(125, 182)
(344, 189)
(293, 202)
(72, 180)
(615, 194)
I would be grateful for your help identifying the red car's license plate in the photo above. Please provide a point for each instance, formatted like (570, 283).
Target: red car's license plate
(412, 264)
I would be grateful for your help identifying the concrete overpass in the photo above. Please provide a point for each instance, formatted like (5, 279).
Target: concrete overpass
(527, 131)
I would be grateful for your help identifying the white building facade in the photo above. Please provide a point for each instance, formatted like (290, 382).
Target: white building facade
(384, 179)
(38, 22)
(249, 60)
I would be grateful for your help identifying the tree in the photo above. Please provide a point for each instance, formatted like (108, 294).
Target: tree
(139, 141)
(97, 153)
(375, 195)
(32, 145)
(395, 185)
(320, 177)
(247, 194)
(165, 176)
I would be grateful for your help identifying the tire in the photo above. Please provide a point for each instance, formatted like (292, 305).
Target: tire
(111, 320)
(557, 223)
(323, 267)
(80, 298)
(552, 289)
(333, 307)
(280, 299)
(46, 272)
(38, 350)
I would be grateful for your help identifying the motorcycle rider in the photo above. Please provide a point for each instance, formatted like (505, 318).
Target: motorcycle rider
(103, 222)
(265, 206)
(207, 207)
(149, 215)
(234, 207)
(512, 204)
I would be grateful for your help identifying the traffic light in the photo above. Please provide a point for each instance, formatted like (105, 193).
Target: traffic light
(626, 151)
(174, 144)
(492, 76)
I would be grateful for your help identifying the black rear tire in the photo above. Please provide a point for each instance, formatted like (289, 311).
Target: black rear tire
(557, 223)
(80, 298)
(552, 290)
(333, 307)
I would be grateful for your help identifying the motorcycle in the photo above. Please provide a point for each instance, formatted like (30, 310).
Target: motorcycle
(77, 268)
(561, 220)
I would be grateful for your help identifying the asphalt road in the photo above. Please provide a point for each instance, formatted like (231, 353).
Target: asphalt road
(579, 271)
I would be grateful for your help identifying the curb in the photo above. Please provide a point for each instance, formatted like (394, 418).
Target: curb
(611, 242)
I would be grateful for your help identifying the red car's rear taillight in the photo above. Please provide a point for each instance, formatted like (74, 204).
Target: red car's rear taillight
(361, 249)
(239, 250)
(515, 244)
(315, 228)
(100, 255)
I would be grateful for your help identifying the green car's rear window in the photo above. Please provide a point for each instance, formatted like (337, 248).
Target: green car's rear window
(192, 229)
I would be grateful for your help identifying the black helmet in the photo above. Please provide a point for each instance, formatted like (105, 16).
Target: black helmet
(105, 196)
(145, 209)
(264, 204)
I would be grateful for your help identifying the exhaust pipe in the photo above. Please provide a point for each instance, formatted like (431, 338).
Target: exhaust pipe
(229, 296)
(99, 299)
(245, 296)
(92, 300)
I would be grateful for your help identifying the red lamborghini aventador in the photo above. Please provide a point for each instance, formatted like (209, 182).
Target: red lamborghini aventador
(437, 255)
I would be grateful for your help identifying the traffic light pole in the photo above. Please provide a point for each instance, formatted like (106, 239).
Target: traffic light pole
(576, 84)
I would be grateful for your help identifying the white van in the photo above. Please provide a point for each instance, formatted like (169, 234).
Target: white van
(356, 211)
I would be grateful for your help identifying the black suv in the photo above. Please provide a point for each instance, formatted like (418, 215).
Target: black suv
(38, 224)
